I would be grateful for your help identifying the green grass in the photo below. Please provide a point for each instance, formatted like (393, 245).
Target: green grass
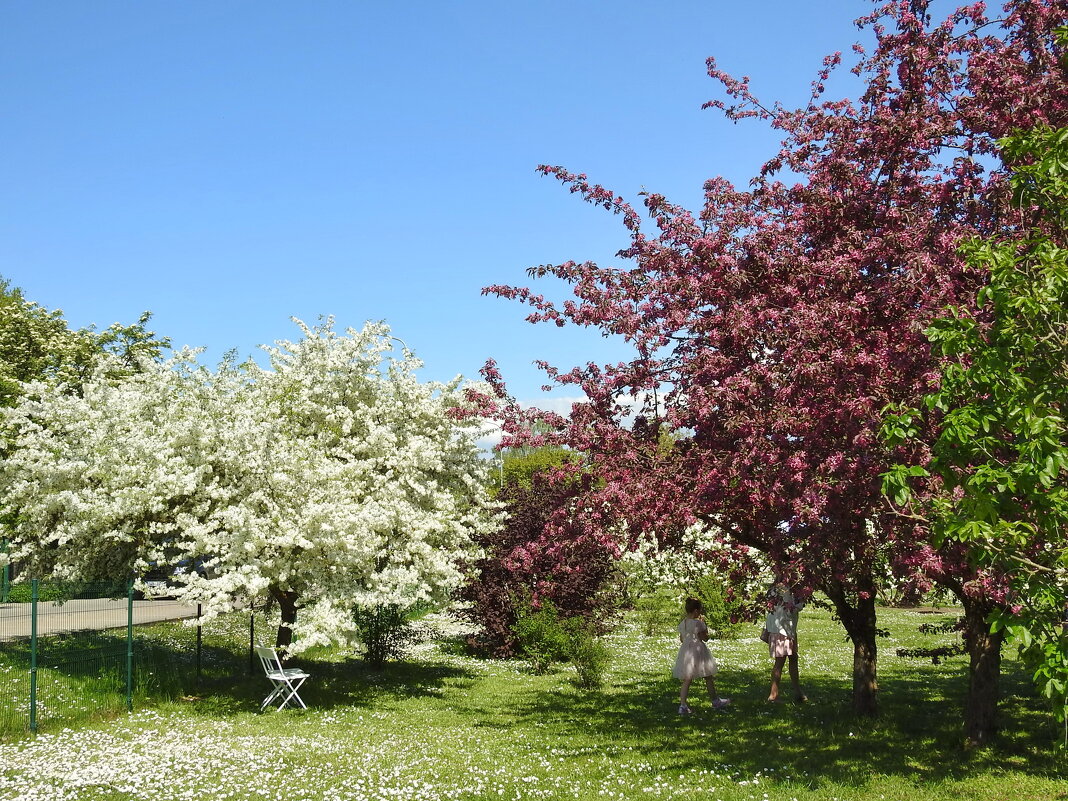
(82, 675)
(446, 726)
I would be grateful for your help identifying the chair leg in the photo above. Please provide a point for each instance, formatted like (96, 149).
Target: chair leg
(289, 698)
(293, 694)
(275, 693)
(285, 691)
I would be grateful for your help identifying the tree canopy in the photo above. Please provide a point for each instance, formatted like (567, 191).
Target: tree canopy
(772, 327)
(994, 475)
(331, 479)
(37, 344)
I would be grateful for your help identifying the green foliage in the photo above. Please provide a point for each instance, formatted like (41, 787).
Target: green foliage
(520, 465)
(657, 610)
(541, 634)
(724, 616)
(59, 591)
(385, 632)
(588, 653)
(547, 638)
(130, 344)
(1000, 457)
(47, 591)
(36, 344)
(660, 608)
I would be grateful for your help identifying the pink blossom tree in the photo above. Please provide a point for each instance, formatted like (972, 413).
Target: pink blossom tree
(772, 328)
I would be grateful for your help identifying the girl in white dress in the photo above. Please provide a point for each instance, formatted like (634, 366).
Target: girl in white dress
(694, 660)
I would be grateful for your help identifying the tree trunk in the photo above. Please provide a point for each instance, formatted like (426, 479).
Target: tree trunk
(984, 674)
(287, 608)
(859, 623)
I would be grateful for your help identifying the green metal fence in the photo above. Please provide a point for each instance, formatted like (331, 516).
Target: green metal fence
(69, 651)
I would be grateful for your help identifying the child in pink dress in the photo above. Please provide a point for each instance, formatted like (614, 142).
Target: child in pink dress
(781, 625)
(694, 660)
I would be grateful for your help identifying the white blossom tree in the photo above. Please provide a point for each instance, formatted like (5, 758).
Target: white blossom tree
(329, 480)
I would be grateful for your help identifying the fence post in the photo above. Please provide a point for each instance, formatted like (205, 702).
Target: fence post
(129, 646)
(5, 582)
(33, 654)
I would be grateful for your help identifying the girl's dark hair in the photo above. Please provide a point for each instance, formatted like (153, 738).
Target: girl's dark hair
(693, 605)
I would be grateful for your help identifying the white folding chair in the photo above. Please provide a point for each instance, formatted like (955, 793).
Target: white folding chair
(285, 681)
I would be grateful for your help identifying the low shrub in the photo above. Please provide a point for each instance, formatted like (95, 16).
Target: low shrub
(658, 613)
(724, 616)
(546, 639)
(588, 654)
(59, 591)
(386, 633)
(540, 634)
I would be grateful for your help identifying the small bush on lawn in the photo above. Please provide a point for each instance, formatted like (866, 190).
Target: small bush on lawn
(588, 654)
(658, 613)
(725, 617)
(540, 634)
(385, 631)
(547, 639)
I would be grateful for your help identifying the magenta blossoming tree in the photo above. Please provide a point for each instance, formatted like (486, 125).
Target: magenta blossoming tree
(537, 556)
(772, 328)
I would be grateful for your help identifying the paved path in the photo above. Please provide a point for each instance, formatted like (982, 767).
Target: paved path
(85, 614)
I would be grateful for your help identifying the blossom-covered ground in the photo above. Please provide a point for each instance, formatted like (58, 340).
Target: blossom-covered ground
(448, 726)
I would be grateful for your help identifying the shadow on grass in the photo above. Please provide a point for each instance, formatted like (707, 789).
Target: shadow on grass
(348, 684)
(915, 737)
(93, 664)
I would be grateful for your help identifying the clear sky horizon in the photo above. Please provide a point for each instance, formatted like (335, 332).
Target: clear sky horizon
(229, 165)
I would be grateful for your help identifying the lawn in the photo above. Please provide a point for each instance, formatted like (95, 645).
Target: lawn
(443, 725)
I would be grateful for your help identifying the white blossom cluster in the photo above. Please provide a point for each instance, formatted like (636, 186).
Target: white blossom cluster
(651, 567)
(334, 475)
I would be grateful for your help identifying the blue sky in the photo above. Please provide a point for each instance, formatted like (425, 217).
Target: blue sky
(230, 164)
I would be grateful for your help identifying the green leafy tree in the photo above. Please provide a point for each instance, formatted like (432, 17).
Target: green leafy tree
(37, 344)
(996, 479)
(520, 465)
(131, 345)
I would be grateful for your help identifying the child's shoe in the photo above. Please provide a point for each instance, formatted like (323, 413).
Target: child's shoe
(721, 703)
(684, 709)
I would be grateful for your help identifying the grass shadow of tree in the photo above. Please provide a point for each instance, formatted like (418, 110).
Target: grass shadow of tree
(336, 684)
(226, 684)
(823, 740)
